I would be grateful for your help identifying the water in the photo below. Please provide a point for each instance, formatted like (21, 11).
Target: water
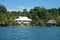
(30, 33)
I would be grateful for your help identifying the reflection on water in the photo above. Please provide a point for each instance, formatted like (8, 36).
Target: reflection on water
(30, 33)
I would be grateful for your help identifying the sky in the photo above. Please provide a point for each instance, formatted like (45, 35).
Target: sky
(19, 5)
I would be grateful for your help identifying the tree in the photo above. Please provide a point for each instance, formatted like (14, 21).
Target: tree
(3, 9)
(59, 10)
(25, 12)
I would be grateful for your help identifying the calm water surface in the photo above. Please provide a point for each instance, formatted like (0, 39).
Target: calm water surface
(30, 33)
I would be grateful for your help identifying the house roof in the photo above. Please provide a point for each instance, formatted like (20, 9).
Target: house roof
(52, 21)
(21, 18)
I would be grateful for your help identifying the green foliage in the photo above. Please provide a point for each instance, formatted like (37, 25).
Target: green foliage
(58, 20)
(3, 9)
(39, 16)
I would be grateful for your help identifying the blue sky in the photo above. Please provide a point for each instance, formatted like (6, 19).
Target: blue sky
(28, 4)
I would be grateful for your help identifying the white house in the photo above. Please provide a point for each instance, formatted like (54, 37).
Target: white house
(23, 19)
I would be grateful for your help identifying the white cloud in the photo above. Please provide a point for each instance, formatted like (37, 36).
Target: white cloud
(23, 7)
(13, 10)
(20, 8)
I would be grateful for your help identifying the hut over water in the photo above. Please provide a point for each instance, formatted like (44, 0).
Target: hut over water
(51, 23)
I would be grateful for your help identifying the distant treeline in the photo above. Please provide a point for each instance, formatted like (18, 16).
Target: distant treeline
(39, 16)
